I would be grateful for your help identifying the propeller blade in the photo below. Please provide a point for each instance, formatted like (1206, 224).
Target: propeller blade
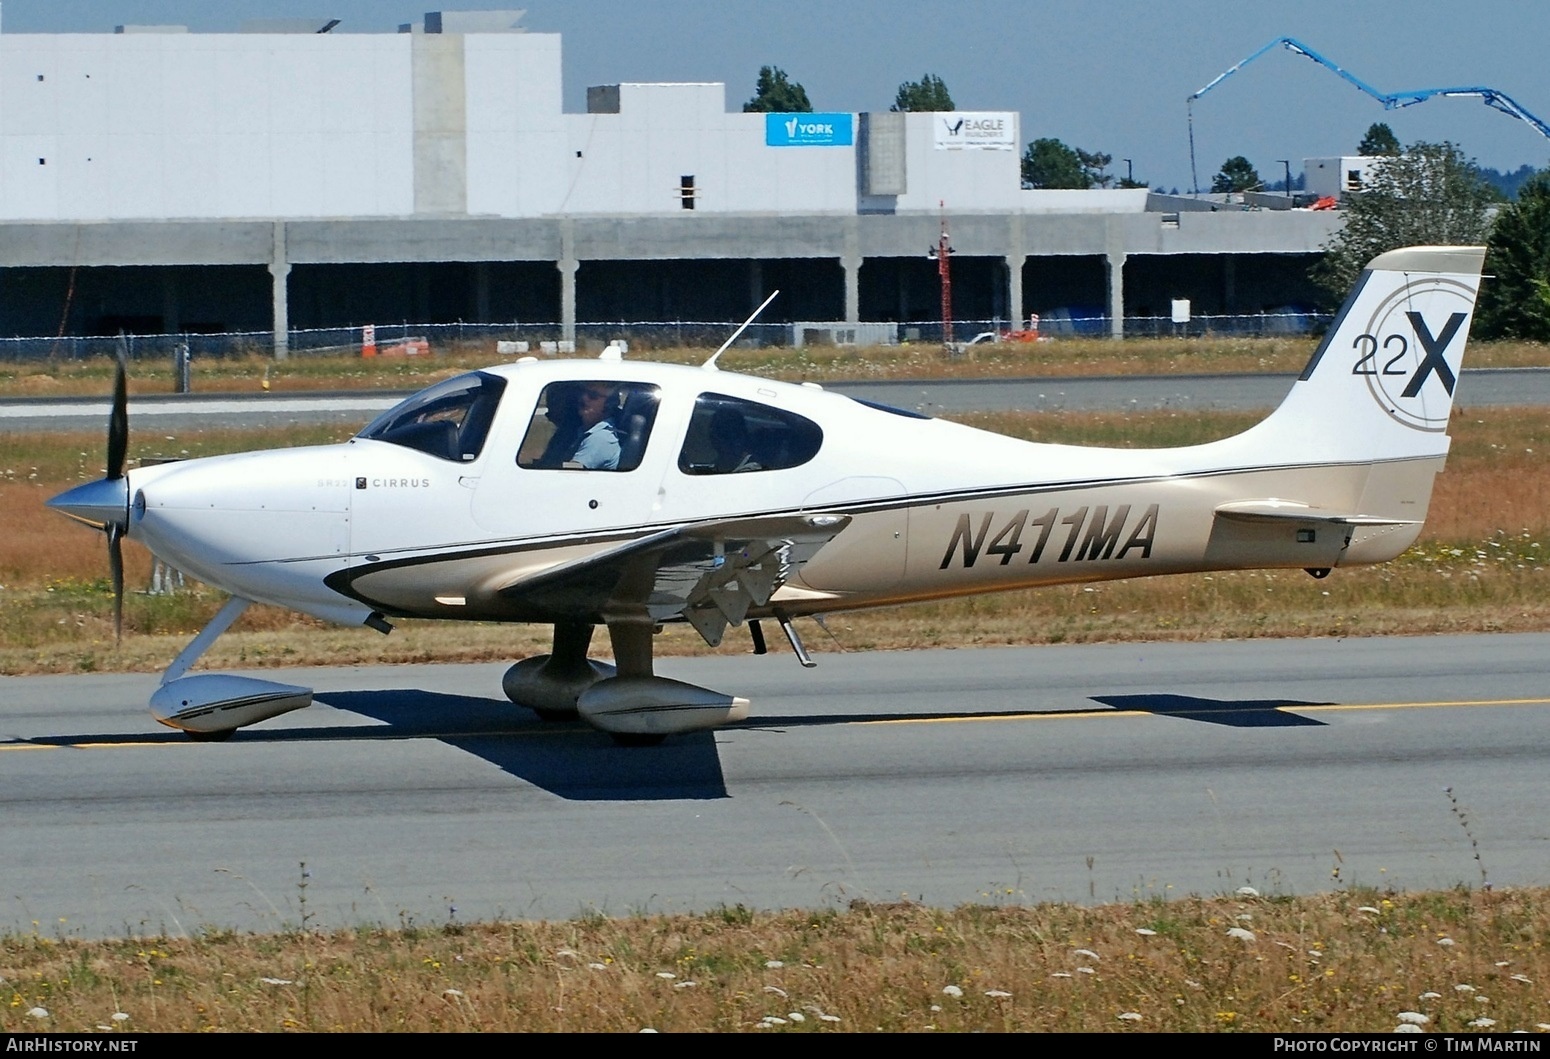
(118, 419)
(116, 565)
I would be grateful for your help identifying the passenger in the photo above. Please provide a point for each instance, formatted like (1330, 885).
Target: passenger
(729, 439)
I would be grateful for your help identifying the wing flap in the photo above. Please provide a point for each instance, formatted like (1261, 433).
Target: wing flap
(1277, 510)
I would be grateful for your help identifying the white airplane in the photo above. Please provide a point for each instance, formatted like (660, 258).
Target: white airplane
(631, 495)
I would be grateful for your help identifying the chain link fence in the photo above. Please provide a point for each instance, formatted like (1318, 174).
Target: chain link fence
(642, 336)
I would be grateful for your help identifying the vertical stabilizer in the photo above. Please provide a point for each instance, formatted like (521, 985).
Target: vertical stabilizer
(1381, 384)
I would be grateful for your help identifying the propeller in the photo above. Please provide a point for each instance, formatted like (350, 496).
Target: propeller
(104, 504)
(118, 453)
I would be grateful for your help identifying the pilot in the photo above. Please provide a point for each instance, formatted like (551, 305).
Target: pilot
(597, 444)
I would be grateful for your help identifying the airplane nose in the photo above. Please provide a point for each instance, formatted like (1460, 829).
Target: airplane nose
(100, 503)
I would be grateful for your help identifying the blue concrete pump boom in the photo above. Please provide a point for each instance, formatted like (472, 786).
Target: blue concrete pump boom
(1390, 100)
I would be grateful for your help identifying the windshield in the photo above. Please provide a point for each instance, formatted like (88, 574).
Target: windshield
(449, 421)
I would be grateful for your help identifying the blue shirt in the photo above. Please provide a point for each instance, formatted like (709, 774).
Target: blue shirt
(598, 449)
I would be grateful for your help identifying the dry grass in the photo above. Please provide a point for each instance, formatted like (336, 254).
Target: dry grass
(1349, 961)
(1061, 357)
(1479, 568)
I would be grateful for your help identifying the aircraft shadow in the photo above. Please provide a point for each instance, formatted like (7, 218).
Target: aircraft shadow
(585, 765)
(1235, 713)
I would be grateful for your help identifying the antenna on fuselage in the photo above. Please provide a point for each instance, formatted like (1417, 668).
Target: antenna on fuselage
(710, 365)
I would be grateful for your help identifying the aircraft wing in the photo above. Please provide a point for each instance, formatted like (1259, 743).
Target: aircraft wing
(709, 574)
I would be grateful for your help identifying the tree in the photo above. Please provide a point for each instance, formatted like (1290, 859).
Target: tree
(929, 93)
(775, 93)
(1427, 195)
(1094, 164)
(1236, 174)
(1049, 163)
(1380, 139)
(1515, 303)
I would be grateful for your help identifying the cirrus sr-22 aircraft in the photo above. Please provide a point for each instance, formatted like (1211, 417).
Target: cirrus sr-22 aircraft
(586, 493)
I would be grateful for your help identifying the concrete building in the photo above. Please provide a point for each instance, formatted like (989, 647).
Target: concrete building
(281, 178)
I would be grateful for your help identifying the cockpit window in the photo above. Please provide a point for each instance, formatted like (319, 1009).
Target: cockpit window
(728, 435)
(598, 425)
(450, 420)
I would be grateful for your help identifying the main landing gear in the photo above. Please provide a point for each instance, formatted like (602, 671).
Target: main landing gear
(626, 700)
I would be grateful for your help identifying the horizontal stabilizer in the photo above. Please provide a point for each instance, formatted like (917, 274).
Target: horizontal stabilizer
(1275, 510)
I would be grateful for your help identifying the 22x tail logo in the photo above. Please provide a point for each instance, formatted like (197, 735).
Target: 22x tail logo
(1410, 370)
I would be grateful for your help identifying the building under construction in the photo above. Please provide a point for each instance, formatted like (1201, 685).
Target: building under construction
(280, 178)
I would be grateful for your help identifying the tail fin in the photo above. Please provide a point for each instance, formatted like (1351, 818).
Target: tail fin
(1380, 386)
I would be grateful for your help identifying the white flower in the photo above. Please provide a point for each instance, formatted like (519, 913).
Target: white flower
(1525, 979)
(1146, 933)
(648, 1029)
(1407, 1027)
(1090, 954)
(685, 985)
(1414, 1017)
(1244, 917)
(1542, 1027)
(277, 981)
(1463, 987)
(1241, 934)
(1247, 891)
(774, 965)
(936, 1007)
(1061, 974)
(597, 967)
(1085, 970)
(796, 1016)
(828, 1018)
(775, 989)
(952, 991)
(455, 994)
(997, 994)
(572, 953)
(1370, 910)
(1431, 996)
(666, 974)
(38, 1013)
(118, 1016)
(1130, 1016)
(772, 1020)
(1446, 943)
(1483, 1023)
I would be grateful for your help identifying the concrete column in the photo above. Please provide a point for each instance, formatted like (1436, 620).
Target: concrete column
(279, 272)
(1014, 291)
(852, 267)
(1116, 270)
(851, 261)
(1015, 257)
(568, 265)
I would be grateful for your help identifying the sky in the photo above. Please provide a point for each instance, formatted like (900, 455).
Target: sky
(1109, 77)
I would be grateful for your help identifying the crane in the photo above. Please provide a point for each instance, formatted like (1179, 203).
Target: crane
(1391, 100)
